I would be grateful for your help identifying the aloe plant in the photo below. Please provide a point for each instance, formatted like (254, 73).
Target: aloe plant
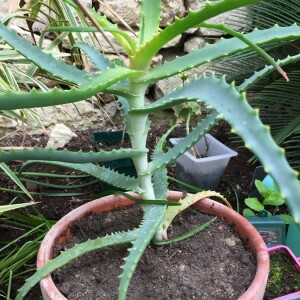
(129, 83)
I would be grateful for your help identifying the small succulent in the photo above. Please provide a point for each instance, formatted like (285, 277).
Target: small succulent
(129, 83)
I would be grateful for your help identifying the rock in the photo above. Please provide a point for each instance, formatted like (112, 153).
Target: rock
(194, 42)
(65, 287)
(172, 9)
(229, 18)
(4, 4)
(77, 115)
(60, 136)
(6, 122)
(193, 4)
(110, 109)
(173, 43)
(129, 11)
(167, 85)
(182, 268)
(230, 242)
(245, 259)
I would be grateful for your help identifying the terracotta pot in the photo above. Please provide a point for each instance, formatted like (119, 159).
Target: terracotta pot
(61, 232)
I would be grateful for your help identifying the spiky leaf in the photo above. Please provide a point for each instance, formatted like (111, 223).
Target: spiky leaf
(71, 254)
(13, 100)
(68, 156)
(211, 52)
(149, 19)
(100, 61)
(45, 61)
(104, 174)
(153, 216)
(144, 55)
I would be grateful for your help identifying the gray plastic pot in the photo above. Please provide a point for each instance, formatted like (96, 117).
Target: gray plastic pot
(205, 172)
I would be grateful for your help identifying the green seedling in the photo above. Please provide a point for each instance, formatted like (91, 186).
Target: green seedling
(271, 197)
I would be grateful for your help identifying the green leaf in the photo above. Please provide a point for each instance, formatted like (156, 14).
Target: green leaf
(122, 37)
(247, 212)
(153, 216)
(273, 199)
(225, 47)
(45, 61)
(261, 188)
(16, 180)
(258, 75)
(104, 174)
(144, 55)
(252, 45)
(100, 61)
(286, 218)
(4, 208)
(160, 176)
(13, 100)
(254, 204)
(68, 156)
(149, 20)
(69, 255)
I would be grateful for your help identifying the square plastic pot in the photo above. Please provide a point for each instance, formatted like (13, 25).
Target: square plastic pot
(204, 172)
(289, 252)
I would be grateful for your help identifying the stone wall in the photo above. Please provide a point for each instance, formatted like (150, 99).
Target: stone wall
(128, 11)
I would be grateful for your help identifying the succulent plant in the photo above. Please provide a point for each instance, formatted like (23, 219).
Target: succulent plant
(129, 84)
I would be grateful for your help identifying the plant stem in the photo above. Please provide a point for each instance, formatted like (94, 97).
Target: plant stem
(138, 130)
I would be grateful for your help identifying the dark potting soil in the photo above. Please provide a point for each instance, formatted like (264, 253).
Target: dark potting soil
(284, 278)
(214, 264)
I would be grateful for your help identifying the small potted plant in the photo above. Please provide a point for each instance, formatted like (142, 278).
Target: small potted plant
(272, 225)
(130, 83)
(284, 274)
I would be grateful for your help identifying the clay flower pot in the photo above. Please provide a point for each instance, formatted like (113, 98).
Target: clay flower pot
(61, 232)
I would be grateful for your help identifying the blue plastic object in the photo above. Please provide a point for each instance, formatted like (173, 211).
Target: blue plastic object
(268, 182)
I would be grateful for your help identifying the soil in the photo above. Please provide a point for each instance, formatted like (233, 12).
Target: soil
(284, 277)
(214, 264)
(239, 173)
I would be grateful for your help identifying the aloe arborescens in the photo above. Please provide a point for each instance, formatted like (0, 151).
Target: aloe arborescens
(225, 101)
